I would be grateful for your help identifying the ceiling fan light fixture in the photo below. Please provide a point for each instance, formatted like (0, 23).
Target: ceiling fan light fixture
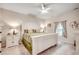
(44, 9)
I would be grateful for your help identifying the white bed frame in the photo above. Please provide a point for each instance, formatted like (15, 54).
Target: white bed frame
(43, 42)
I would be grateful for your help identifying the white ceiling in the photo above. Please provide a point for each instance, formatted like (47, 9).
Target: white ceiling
(34, 8)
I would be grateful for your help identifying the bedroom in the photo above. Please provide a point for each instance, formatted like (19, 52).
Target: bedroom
(52, 24)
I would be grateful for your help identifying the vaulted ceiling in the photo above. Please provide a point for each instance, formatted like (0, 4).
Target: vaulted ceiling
(56, 9)
(16, 13)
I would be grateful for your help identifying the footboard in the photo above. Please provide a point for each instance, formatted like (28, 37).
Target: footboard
(42, 42)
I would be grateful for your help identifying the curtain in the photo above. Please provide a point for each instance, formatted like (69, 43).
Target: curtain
(56, 24)
(65, 28)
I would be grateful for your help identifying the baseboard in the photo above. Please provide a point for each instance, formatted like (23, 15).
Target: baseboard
(68, 42)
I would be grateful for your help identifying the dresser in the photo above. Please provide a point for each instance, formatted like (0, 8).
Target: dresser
(12, 40)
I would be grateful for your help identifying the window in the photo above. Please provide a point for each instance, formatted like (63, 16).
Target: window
(60, 29)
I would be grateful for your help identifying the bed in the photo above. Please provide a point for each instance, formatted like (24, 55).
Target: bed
(38, 42)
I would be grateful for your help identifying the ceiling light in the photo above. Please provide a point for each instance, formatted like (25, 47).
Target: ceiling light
(44, 9)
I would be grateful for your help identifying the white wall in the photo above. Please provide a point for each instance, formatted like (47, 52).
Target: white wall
(14, 19)
(70, 31)
(31, 25)
(49, 29)
(69, 17)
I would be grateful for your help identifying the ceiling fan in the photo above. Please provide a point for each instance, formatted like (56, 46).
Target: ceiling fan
(44, 8)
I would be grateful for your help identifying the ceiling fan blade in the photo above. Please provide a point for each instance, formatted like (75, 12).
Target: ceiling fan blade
(42, 6)
(48, 9)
